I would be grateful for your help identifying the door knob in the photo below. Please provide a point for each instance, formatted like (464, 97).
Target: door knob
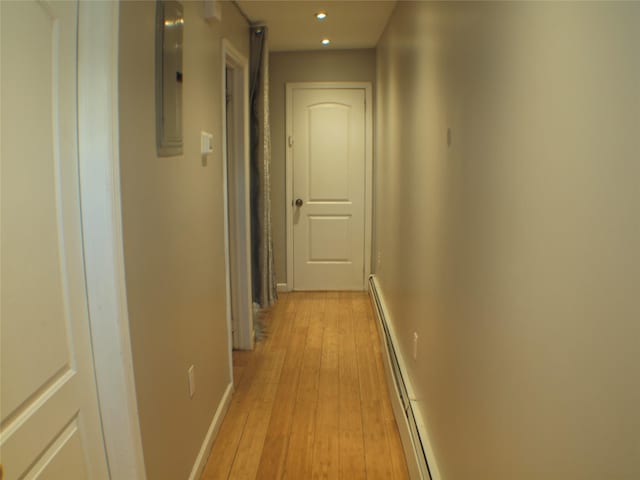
(299, 202)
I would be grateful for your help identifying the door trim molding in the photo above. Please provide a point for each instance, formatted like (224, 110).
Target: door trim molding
(243, 337)
(99, 177)
(368, 175)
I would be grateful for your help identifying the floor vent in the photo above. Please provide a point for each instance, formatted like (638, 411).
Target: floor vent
(414, 446)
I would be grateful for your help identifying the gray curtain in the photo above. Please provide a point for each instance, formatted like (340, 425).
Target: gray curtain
(264, 277)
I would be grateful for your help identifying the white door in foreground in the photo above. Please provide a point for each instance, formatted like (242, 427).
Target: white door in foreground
(50, 424)
(328, 156)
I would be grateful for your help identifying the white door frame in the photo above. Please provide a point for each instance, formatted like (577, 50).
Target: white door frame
(98, 155)
(368, 185)
(242, 337)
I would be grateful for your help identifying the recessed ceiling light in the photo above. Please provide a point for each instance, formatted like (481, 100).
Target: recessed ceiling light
(321, 15)
(326, 41)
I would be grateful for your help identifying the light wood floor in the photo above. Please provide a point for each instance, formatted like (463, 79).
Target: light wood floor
(311, 400)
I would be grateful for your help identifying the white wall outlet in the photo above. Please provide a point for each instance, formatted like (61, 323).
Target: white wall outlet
(191, 373)
(415, 345)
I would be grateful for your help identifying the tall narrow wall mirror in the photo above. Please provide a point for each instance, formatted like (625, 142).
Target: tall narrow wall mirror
(169, 29)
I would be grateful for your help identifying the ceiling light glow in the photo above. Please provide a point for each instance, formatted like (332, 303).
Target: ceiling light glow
(326, 41)
(321, 15)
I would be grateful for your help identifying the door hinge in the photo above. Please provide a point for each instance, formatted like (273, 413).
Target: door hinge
(290, 140)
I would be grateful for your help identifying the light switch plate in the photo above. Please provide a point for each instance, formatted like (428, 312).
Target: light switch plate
(206, 143)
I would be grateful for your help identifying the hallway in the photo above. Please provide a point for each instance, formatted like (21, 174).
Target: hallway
(311, 400)
(476, 165)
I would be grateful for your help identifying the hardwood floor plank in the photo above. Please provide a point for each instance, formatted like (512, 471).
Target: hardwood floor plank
(372, 391)
(376, 448)
(276, 443)
(299, 458)
(351, 456)
(311, 400)
(277, 440)
(278, 329)
(247, 458)
(237, 374)
(224, 450)
(398, 461)
(376, 336)
(326, 456)
(226, 444)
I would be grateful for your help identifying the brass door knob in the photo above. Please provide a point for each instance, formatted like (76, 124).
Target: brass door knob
(299, 202)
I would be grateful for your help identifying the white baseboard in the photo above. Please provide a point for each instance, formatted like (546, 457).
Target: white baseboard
(205, 450)
(415, 441)
(282, 287)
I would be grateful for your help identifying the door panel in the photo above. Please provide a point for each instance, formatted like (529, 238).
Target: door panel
(329, 238)
(329, 159)
(48, 402)
(59, 462)
(328, 154)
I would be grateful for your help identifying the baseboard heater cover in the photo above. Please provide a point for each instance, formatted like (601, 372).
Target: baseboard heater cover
(413, 441)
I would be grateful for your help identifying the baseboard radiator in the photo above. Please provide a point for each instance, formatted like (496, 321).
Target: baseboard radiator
(415, 444)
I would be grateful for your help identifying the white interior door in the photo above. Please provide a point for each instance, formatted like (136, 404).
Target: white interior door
(50, 425)
(328, 153)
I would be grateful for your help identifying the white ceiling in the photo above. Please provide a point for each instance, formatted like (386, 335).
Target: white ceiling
(293, 26)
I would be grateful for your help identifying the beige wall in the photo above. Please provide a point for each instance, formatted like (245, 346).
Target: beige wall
(315, 66)
(514, 252)
(174, 237)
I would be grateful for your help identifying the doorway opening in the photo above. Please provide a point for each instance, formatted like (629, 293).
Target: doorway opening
(235, 154)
